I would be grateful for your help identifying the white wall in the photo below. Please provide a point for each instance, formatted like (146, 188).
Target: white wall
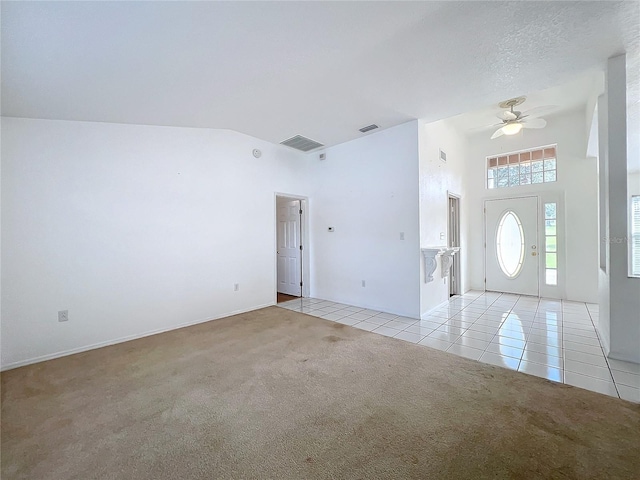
(603, 324)
(620, 294)
(576, 189)
(437, 179)
(367, 189)
(133, 229)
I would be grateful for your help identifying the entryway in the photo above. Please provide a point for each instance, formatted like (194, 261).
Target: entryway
(290, 239)
(454, 241)
(511, 246)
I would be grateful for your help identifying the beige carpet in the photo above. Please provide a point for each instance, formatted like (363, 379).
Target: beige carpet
(275, 394)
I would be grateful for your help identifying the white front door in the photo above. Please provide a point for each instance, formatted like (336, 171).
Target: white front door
(511, 252)
(289, 254)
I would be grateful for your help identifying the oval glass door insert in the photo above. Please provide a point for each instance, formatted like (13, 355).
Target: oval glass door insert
(510, 244)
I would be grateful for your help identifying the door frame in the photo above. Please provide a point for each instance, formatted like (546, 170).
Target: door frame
(538, 238)
(304, 238)
(456, 266)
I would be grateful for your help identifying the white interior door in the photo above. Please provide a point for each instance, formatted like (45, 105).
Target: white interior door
(454, 241)
(289, 254)
(511, 252)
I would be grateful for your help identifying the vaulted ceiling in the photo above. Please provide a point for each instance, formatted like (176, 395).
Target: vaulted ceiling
(276, 69)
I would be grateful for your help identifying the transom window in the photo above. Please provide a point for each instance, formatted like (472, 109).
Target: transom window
(522, 168)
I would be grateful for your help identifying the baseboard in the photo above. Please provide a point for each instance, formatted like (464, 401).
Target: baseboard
(428, 312)
(64, 353)
(363, 305)
(624, 358)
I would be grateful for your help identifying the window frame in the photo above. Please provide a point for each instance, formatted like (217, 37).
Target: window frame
(548, 252)
(520, 165)
(634, 234)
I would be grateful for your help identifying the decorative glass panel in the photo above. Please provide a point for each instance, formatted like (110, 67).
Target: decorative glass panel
(522, 168)
(503, 177)
(549, 210)
(551, 260)
(510, 244)
(551, 277)
(550, 227)
(551, 244)
(514, 176)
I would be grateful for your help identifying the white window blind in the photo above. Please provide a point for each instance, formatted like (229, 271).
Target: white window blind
(635, 235)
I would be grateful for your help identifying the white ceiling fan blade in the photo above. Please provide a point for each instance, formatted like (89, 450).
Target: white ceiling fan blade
(497, 133)
(534, 123)
(539, 111)
(507, 115)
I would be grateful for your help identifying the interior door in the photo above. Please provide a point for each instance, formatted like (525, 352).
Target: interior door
(289, 254)
(511, 245)
(454, 241)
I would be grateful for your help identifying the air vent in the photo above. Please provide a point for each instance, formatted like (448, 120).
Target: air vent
(301, 143)
(368, 128)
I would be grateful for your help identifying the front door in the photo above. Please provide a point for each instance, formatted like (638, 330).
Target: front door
(511, 245)
(289, 254)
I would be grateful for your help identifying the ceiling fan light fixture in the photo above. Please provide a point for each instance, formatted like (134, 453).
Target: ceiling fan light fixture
(512, 128)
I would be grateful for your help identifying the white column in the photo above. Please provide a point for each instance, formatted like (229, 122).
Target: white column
(624, 291)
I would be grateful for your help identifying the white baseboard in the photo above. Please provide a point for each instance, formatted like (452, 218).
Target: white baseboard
(428, 312)
(623, 357)
(64, 353)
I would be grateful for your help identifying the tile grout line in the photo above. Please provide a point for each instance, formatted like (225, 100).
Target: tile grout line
(465, 330)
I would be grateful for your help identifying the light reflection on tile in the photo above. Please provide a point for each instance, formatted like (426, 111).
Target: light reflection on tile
(548, 338)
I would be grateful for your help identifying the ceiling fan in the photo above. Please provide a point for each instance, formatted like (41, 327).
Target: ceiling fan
(513, 121)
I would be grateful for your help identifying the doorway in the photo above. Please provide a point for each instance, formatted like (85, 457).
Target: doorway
(290, 253)
(511, 245)
(454, 241)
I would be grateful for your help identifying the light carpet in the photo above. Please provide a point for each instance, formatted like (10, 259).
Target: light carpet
(275, 394)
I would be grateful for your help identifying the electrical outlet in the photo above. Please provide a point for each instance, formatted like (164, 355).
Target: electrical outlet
(364, 284)
(63, 316)
(236, 287)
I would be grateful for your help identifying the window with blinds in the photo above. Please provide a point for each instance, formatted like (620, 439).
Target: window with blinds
(635, 235)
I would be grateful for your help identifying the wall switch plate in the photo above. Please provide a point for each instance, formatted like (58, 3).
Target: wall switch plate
(63, 316)
(236, 287)
(401, 235)
(364, 283)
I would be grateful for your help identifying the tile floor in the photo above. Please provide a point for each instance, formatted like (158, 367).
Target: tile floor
(548, 338)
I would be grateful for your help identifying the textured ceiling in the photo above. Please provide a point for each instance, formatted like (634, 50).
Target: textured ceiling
(319, 69)
(569, 96)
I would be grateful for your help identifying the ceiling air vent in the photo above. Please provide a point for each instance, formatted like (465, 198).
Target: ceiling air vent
(368, 128)
(301, 143)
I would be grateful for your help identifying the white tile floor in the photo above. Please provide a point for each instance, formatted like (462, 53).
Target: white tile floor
(553, 339)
